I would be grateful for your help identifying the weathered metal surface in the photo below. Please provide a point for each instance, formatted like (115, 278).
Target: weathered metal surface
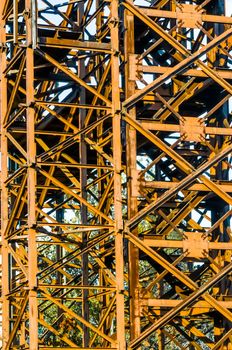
(115, 174)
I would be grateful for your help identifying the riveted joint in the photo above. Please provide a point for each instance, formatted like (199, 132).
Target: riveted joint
(114, 22)
(32, 226)
(116, 53)
(31, 104)
(121, 291)
(123, 111)
(31, 289)
(117, 112)
(32, 165)
(3, 47)
(26, 13)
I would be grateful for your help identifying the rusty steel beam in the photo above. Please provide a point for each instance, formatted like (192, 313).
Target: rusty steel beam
(115, 175)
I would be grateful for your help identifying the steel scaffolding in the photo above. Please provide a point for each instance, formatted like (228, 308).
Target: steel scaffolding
(116, 174)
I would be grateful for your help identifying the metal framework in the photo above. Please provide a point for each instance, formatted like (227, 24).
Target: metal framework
(116, 174)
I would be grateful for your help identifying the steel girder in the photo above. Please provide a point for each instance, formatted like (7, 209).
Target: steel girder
(115, 174)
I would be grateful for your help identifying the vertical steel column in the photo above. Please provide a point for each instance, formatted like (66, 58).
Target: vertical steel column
(116, 107)
(4, 173)
(131, 152)
(83, 183)
(221, 172)
(63, 124)
(31, 183)
(15, 21)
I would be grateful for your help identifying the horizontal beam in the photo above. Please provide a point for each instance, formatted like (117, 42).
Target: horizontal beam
(195, 187)
(153, 125)
(225, 73)
(74, 44)
(168, 303)
(174, 15)
(168, 243)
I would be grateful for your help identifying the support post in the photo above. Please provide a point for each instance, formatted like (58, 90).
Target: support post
(4, 191)
(116, 107)
(31, 184)
(131, 153)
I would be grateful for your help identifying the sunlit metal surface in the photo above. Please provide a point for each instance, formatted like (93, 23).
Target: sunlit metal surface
(116, 186)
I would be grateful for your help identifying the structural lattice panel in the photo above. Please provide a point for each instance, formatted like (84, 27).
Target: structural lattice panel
(116, 174)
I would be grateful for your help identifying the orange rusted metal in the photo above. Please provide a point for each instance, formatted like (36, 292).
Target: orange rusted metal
(115, 174)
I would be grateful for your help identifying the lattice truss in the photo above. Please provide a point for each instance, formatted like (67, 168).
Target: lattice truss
(116, 174)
